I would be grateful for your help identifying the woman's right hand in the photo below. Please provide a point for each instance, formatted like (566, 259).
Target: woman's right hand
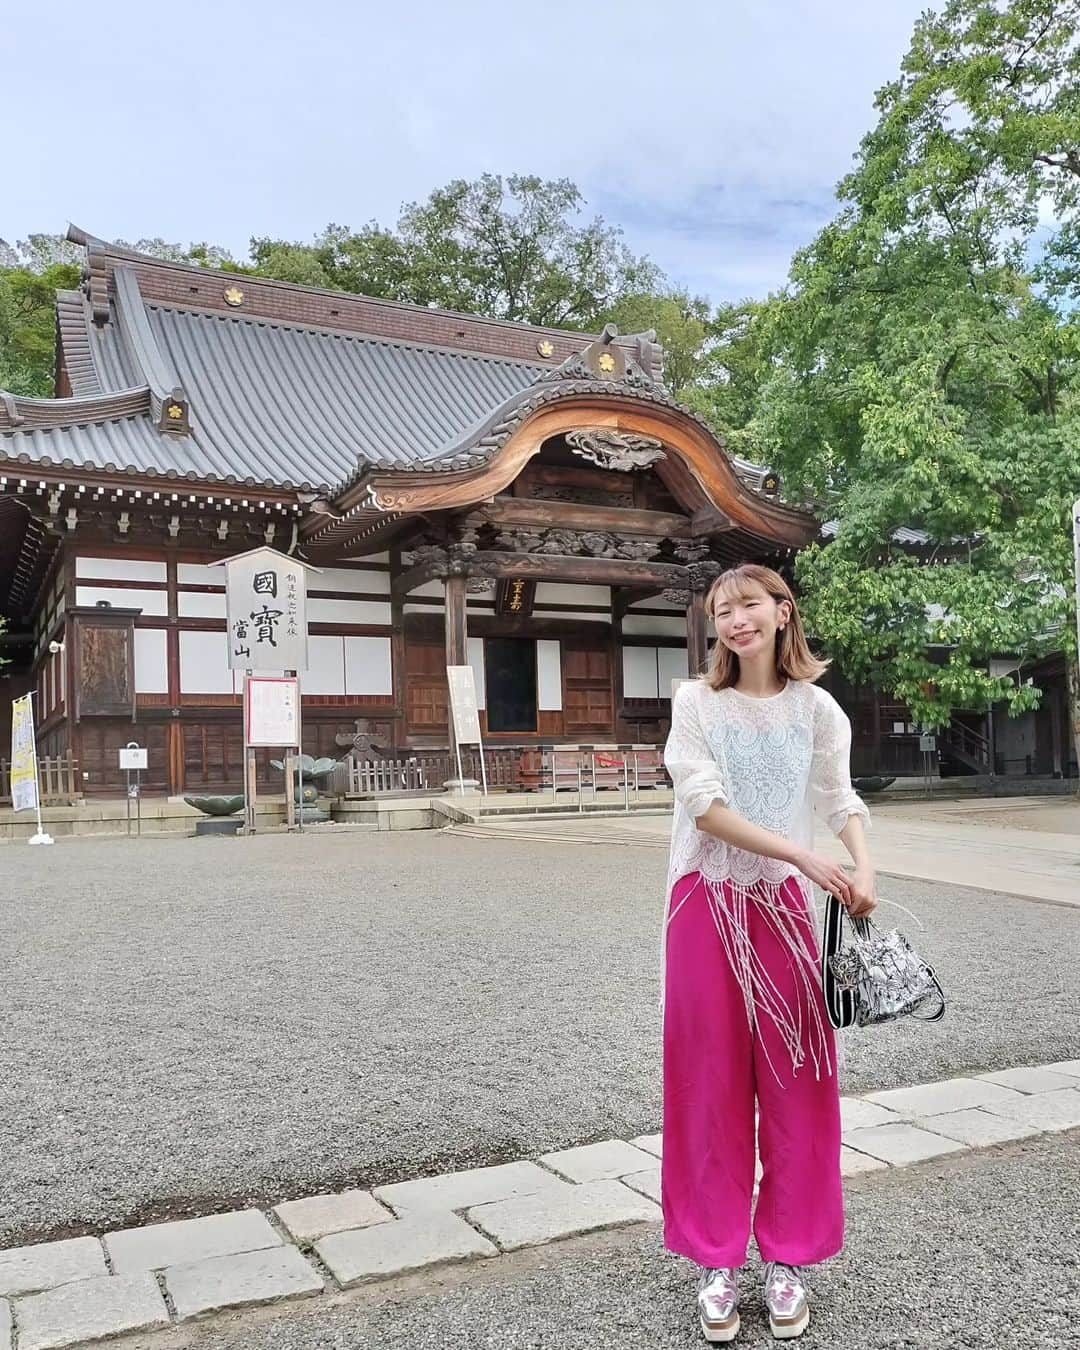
(829, 875)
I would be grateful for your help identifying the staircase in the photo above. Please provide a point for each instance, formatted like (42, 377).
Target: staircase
(969, 750)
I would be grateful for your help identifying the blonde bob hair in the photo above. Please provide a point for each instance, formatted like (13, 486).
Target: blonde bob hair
(794, 659)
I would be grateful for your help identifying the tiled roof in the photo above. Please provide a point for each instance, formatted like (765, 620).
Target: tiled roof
(279, 403)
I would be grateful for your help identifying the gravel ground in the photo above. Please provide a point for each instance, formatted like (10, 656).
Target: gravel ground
(191, 1025)
(976, 1252)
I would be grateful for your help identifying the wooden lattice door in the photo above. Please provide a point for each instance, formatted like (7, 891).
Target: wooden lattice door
(588, 702)
(426, 697)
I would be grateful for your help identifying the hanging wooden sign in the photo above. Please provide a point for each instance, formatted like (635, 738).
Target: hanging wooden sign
(515, 595)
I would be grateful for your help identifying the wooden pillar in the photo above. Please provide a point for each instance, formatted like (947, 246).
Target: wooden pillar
(457, 647)
(697, 642)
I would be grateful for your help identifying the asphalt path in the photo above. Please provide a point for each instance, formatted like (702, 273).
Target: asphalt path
(193, 1025)
(978, 1251)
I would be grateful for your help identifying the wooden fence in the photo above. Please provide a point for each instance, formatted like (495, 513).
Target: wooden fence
(424, 772)
(58, 781)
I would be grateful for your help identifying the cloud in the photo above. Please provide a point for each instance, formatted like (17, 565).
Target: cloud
(713, 131)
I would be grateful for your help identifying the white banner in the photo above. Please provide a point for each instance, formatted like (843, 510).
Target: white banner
(24, 782)
(266, 605)
(463, 706)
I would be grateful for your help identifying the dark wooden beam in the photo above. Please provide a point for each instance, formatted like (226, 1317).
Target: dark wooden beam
(540, 515)
(401, 585)
(457, 650)
(589, 571)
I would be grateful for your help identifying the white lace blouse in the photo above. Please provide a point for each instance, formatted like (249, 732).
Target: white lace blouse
(773, 760)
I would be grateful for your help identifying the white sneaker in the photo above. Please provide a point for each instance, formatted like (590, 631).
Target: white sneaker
(785, 1298)
(718, 1303)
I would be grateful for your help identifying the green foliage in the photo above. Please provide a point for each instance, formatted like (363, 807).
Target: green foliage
(509, 248)
(28, 326)
(682, 326)
(922, 373)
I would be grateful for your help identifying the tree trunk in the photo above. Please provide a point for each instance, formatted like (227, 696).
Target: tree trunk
(1073, 678)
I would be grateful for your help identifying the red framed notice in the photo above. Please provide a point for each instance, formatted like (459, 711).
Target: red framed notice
(272, 711)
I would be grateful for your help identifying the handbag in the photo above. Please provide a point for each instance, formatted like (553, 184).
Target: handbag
(877, 977)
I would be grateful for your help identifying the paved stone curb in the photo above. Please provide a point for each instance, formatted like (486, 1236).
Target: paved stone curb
(65, 1294)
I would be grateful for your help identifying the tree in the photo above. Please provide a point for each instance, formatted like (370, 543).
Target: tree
(924, 375)
(31, 272)
(508, 248)
(28, 326)
(682, 326)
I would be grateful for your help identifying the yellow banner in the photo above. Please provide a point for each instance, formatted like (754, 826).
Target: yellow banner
(24, 783)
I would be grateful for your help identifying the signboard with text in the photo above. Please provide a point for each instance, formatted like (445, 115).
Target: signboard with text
(463, 704)
(266, 608)
(272, 711)
(515, 595)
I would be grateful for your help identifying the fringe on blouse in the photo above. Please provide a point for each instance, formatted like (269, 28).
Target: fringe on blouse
(803, 1028)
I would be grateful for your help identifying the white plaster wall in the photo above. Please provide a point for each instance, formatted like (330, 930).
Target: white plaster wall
(200, 605)
(348, 611)
(200, 574)
(151, 661)
(639, 672)
(673, 663)
(150, 602)
(548, 675)
(476, 660)
(368, 666)
(204, 664)
(326, 665)
(653, 625)
(349, 579)
(119, 569)
(567, 593)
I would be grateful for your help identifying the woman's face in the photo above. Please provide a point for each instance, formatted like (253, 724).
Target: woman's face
(747, 623)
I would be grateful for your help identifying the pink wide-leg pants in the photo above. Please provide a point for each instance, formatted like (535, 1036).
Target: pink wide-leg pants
(715, 1065)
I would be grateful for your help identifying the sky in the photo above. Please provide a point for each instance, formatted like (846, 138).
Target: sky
(712, 131)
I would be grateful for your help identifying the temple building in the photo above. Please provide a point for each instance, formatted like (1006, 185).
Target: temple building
(530, 501)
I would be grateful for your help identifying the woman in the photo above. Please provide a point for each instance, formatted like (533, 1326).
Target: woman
(755, 749)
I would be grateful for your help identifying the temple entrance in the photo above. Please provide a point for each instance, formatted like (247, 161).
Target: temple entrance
(510, 674)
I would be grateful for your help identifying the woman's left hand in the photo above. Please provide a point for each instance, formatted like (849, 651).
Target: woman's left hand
(862, 890)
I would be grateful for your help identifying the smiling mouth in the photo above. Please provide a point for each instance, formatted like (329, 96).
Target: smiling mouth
(744, 638)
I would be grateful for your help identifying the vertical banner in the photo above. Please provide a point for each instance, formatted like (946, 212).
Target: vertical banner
(465, 716)
(24, 780)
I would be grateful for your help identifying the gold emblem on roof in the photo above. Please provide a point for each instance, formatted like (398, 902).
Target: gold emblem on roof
(606, 362)
(233, 295)
(545, 347)
(174, 411)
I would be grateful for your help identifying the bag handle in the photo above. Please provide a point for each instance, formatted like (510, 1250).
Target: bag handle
(839, 1003)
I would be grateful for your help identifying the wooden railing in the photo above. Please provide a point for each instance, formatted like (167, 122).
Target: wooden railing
(969, 744)
(58, 781)
(424, 772)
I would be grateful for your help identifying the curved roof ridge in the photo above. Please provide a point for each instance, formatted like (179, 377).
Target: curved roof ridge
(162, 381)
(102, 252)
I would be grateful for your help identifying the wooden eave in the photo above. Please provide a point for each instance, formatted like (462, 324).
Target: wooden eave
(696, 471)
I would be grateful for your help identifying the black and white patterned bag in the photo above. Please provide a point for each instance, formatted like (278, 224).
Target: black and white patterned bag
(876, 977)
